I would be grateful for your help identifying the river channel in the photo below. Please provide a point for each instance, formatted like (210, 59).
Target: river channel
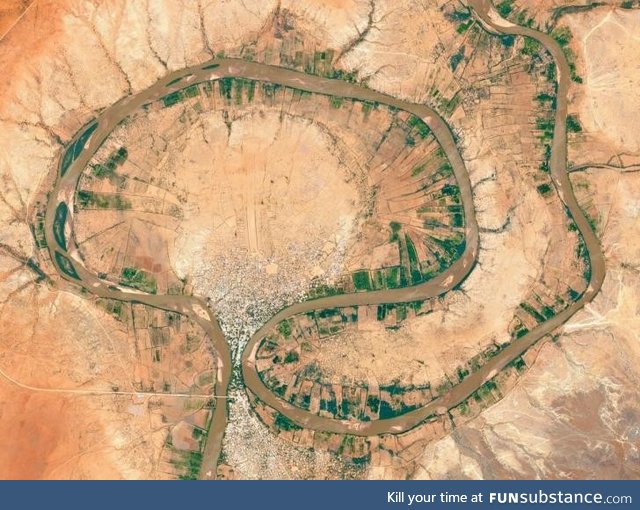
(66, 258)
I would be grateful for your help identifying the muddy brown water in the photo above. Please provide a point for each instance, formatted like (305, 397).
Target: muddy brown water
(188, 305)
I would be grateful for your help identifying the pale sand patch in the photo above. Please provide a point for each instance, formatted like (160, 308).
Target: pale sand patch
(609, 44)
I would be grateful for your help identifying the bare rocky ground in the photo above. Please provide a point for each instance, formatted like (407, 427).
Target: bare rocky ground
(579, 395)
(575, 415)
(606, 42)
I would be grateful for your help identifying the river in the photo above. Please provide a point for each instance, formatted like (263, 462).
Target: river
(65, 254)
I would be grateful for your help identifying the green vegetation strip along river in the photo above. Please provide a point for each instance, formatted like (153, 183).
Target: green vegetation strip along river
(558, 169)
(196, 308)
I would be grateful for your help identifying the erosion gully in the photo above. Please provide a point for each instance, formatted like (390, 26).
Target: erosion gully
(70, 266)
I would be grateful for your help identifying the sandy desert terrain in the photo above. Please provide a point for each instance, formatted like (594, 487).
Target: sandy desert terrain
(255, 197)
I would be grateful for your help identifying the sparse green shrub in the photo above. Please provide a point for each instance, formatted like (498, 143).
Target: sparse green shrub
(573, 124)
(505, 8)
(544, 189)
(285, 328)
(291, 357)
(395, 228)
(456, 58)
